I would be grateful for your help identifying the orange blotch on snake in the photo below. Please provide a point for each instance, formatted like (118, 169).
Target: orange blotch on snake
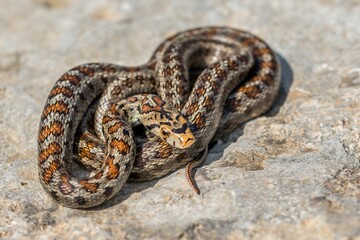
(121, 146)
(112, 109)
(192, 108)
(52, 149)
(262, 51)
(66, 91)
(113, 168)
(146, 108)
(85, 70)
(49, 171)
(267, 64)
(73, 79)
(106, 119)
(55, 128)
(58, 107)
(200, 91)
(114, 128)
(90, 187)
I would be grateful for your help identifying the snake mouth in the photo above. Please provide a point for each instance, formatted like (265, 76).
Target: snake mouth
(186, 142)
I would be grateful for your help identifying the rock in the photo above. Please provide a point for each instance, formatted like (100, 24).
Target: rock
(292, 174)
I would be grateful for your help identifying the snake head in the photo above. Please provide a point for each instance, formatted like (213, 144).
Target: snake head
(177, 133)
(166, 123)
(172, 128)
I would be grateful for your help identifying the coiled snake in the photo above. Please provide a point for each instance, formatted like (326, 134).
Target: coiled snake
(237, 78)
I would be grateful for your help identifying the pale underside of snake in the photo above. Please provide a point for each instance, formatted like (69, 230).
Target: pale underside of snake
(237, 79)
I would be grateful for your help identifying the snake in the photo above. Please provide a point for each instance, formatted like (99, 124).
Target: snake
(207, 81)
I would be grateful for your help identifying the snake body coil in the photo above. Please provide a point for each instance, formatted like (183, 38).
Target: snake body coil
(237, 78)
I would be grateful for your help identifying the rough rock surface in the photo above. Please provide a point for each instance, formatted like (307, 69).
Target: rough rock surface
(293, 174)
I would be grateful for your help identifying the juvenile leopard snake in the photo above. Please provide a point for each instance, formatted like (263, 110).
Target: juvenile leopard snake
(237, 79)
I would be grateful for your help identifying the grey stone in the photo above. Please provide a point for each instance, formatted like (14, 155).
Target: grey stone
(292, 174)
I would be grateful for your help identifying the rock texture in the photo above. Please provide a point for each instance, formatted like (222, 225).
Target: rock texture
(293, 174)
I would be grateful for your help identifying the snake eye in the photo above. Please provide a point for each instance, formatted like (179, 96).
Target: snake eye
(165, 132)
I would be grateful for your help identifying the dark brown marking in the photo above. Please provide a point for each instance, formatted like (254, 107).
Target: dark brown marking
(168, 71)
(210, 32)
(54, 195)
(209, 103)
(230, 105)
(215, 86)
(116, 90)
(108, 191)
(132, 99)
(248, 42)
(221, 73)
(182, 129)
(132, 69)
(206, 76)
(233, 65)
(87, 71)
(244, 58)
(98, 175)
(128, 82)
(152, 65)
(127, 166)
(200, 91)
(141, 80)
(168, 85)
(216, 65)
(108, 69)
(192, 108)
(158, 101)
(267, 80)
(251, 91)
(178, 67)
(181, 90)
(80, 200)
(126, 132)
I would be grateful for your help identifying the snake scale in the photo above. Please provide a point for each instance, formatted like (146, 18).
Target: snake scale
(208, 81)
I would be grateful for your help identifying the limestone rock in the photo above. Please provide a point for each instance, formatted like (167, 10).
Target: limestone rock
(292, 174)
